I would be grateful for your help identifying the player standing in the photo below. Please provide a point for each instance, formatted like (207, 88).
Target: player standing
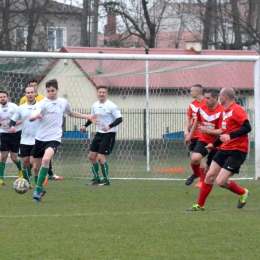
(102, 145)
(232, 153)
(29, 130)
(196, 92)
(9, 141)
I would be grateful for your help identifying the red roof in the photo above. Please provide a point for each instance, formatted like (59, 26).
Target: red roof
(165, 74)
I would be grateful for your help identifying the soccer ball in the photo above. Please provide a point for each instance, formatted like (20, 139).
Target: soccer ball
(21, 186)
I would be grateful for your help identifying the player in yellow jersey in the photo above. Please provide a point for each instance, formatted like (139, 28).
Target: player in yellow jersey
(39, 97)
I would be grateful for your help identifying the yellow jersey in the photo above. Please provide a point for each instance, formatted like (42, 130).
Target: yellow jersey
(38, 98)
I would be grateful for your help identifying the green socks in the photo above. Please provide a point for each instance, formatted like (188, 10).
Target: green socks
(41, 177)
(2, 170)
(95, 170)
(104, 168)
(26, 174)
(19, 165)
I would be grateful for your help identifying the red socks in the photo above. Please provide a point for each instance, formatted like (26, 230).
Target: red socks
(196, 169)
(236, 189)
(204, 192)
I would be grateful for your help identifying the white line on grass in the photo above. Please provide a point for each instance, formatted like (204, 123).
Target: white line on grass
(123, 213)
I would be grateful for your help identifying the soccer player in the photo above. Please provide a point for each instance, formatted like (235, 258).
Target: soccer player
(9, 141)
(39, 97)
(232, 153)
(109, 118)
(29, 130)
(196, 92)
(50, 112)
(208, 122)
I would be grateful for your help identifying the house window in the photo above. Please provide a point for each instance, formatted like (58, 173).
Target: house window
(21, 38)
(57, 37)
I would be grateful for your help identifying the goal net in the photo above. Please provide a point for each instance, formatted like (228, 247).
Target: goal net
(152, 93)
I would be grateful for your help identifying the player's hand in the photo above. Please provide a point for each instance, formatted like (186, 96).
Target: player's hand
(210, 147)
(187, 140)
(93, 119)
(12, 129)
(106, 128)
(202, 129)
(82, 129)
(224, 138)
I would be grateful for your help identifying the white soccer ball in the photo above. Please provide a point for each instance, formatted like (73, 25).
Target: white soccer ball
(21, 186)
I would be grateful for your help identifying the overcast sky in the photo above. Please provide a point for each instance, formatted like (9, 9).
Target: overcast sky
(68, 2)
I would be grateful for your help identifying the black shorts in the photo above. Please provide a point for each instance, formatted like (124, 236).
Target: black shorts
(26, 150)
(41, 146)
(10, 141)
(192, 145)
(230, 160)
(200, 148)
(103, 143)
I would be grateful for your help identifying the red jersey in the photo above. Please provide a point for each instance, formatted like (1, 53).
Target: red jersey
(192, 112)
(233, 119)
(211, 119)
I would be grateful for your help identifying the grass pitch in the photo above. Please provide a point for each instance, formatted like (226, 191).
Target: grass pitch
(128, 220)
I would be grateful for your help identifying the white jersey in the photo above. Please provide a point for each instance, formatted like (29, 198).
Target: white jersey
(53, 111)
(6, 113)
(29, 129)
(106, 113)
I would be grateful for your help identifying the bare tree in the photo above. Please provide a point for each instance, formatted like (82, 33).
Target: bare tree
(141, 19)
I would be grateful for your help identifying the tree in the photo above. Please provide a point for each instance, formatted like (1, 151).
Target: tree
(141, 19)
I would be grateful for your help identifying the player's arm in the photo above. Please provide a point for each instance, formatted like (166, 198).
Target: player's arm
(187, 126)
(83, 128)
(192, 131)
(84, 116)
(244, 129)
(118, 121)
(204, 130)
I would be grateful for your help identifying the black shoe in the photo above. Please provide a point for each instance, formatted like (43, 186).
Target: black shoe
(43, 192)
(191, 179)
(94, 183)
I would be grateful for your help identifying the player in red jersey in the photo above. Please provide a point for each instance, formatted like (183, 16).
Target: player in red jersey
(208, 123)
(232, 153)
(196, 92)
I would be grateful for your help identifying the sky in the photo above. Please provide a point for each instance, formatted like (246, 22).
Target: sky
(68, 2)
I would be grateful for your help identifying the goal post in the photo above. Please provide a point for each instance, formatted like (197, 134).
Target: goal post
(152, 93)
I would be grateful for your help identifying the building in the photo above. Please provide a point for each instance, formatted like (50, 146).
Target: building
(169, 82)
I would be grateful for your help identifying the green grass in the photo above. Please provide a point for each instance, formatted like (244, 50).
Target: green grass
(128, 220)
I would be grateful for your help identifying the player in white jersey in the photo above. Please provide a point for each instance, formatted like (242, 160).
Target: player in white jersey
(9, 141)
(109, 117)
(50, 112)
(29, 130)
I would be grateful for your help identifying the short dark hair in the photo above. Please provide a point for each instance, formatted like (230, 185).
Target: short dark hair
(102, 87)
(52, 83)
(4, 92)
(32, 80)
(214, 92)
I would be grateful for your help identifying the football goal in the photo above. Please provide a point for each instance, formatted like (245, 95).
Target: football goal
(152, 93)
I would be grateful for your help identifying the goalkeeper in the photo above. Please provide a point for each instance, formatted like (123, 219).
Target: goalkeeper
(102, 145)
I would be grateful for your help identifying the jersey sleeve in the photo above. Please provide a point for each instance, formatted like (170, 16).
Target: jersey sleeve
(189, 113)
(67, 109)
(17, 115)
(115, 112)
